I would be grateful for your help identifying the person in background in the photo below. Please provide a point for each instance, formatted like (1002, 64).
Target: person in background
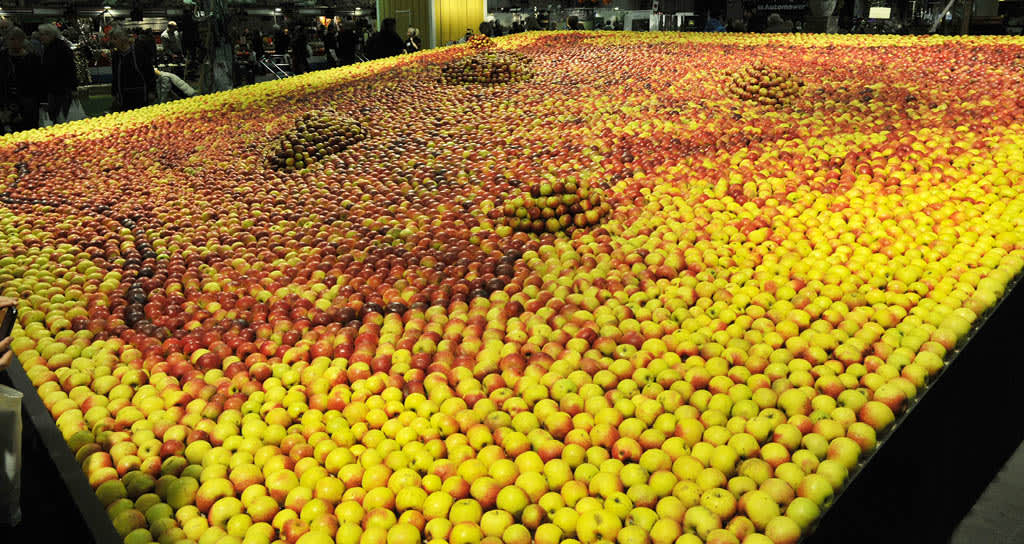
(714, 23)
(364, 31)
(300, 51)
(777, 25)
(171, 87)
(59, 74)
(19, 83)
(134, 81)
(191, 48)
(347, 42)
(5, 26)
(171, 40)
(282, 41)
(756, 19)
(386, 42)
(35, 44)
(146, 44)
(331, 45)
(413, 43)
(256, 43)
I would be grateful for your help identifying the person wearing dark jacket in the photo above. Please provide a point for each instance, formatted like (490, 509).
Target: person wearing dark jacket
(413, 43)
(145, 42)
(256, 44)
(300, 53)
(386, 42)
(347, 42)
(331, 45)
(59, 73)
(19, 83)
(281, 40)
(134, 78)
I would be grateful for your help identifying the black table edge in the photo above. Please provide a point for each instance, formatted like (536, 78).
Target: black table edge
(92, 511)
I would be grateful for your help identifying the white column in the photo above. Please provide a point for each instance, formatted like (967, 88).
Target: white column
(433, 23)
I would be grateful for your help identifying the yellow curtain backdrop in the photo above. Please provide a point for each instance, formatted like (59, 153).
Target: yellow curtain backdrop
(453, 17)
(448, 18)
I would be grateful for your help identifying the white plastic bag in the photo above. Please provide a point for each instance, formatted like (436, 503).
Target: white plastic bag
(76, 112)
(10, 455)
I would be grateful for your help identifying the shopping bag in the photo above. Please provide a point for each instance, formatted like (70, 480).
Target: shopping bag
(76, 112)
(10, 455)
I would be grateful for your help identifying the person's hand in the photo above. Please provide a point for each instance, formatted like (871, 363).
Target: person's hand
(5, 354)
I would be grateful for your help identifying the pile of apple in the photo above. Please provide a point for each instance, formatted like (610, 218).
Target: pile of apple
(315, 136)
(764, 84)
(488, 68)
(614, 304)
(556, 206)
(480, 41)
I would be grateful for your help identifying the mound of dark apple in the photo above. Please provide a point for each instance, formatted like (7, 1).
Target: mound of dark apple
(316, 135)
(764, 84)
(488, 68)
(553, 207)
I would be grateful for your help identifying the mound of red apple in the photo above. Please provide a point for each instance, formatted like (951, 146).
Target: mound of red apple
(764, 84)
(315, 136)
(487, 68)
(556, 206)
(610, 303)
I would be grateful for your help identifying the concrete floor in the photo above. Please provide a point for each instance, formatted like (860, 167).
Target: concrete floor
(998, 516)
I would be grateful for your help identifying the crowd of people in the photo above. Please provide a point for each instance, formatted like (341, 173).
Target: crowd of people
(37, 74)
(341, 44)
(40, 76)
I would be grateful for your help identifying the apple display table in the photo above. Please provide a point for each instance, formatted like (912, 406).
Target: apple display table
(57, 503)
(920, 482)
(945, 449)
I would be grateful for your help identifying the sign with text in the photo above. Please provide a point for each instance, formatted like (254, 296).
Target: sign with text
(781, 6)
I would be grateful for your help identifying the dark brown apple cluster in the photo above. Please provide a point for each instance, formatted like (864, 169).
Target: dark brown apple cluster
(316, 135)
(488, 68)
